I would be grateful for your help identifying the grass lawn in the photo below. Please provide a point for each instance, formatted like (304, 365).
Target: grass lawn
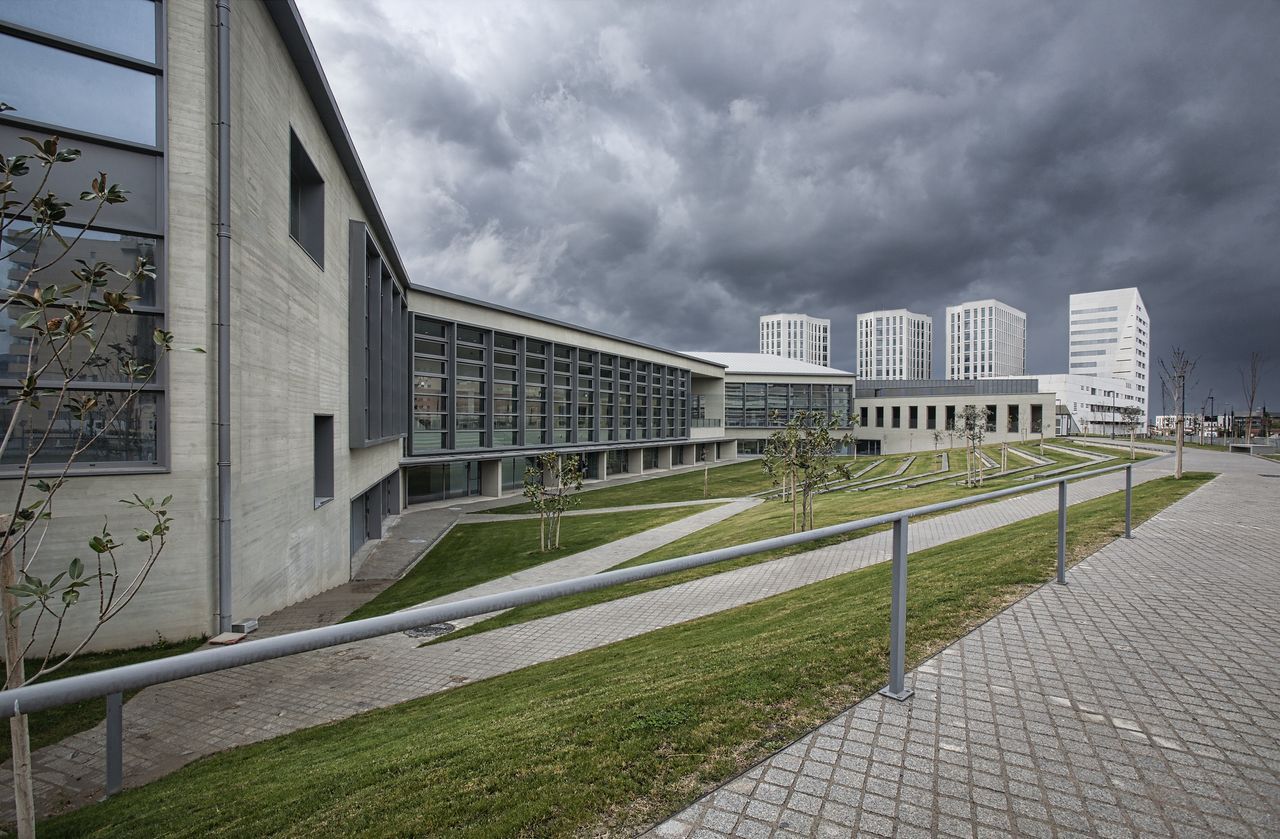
(733, 480)
(762, 522)
(55, 724)
(1158, 441)
(616, 738)
(474, 553)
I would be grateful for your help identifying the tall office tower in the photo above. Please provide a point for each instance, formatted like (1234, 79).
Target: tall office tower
(986, 338)
(1111, 338)
(894, 344)
(796, 336)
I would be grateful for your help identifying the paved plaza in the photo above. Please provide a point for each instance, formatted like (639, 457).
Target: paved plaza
(1143, 699)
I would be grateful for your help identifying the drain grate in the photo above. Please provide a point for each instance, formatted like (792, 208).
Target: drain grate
(435, 630)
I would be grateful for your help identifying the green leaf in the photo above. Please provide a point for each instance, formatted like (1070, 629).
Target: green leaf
(76, 570)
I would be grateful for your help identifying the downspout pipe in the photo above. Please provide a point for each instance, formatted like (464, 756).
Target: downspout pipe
(223, 8)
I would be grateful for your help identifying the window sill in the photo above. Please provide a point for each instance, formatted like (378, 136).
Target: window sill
(320, 502)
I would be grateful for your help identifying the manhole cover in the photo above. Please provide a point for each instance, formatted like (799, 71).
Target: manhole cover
(433, 631)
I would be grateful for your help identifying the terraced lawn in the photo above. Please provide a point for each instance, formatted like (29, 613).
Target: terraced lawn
(470, 554)
(768, 520)
(610, 740)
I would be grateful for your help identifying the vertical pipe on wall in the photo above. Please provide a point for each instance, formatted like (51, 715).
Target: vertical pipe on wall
(223, 8)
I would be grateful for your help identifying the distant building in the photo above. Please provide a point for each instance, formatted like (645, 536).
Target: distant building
(1111, 338)
(986, 339)
(798, 337)
(1092, 404)
(894, 344)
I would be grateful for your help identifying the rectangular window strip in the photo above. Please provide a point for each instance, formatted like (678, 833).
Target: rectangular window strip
(474, 388)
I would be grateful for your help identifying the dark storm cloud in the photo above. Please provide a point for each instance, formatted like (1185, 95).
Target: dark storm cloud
(671, 171)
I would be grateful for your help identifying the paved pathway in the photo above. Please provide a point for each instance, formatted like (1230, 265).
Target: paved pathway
(1142, 699)
(597, 559)
(170, 725)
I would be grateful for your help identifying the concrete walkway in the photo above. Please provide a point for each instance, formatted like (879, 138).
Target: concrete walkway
(1142, 699)
(600, 558)
(170, 725)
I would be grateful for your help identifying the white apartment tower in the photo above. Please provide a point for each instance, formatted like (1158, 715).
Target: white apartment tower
(986, 338)
(894, 344)
(796, 336)
(1111, 338)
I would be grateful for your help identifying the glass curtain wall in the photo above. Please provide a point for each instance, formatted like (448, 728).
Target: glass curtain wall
(761, 404)
(480, 389)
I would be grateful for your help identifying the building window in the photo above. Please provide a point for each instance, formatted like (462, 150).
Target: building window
(323, 460)
(951, 417)
(879, 417)
(378, 343)
(897, 416)
(1014, 419)
(931, 416)
(306, 201)
(991, 418)
(913, 417)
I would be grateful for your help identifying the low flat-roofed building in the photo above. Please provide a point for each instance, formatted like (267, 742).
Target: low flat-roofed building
(900, 416)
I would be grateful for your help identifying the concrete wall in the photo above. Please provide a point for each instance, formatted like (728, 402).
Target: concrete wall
(290, 346)
(289, 355)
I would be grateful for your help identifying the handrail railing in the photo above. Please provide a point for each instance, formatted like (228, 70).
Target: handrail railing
(113, 683)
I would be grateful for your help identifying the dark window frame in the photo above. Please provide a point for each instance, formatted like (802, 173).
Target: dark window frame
(306, 201)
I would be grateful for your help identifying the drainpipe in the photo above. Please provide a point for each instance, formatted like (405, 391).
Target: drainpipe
(224, 314)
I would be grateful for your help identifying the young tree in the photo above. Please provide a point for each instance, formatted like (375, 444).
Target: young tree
(61, 310)
(973, 428)
(806, 452)
(1175, 374)
(937, 439)
(1250, 377)
(1131, 417)
(550, 485)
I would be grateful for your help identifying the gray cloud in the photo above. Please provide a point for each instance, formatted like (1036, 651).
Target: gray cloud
(671, 171)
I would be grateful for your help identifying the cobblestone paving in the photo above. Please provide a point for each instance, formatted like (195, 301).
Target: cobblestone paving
(168, 726)
(1141, 700)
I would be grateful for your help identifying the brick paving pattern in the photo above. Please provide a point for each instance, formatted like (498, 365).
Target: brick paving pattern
(1141, 700)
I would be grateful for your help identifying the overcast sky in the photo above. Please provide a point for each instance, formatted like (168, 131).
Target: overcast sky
(671, 171)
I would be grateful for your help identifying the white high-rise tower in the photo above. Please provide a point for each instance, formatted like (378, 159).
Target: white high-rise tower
(1111, 338)
(796, 336)
(986, 338)
(894, 344)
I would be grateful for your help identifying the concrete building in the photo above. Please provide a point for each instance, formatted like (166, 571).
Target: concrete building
(341, 390)
(986, 339)
(1093, 404)
(334, 390)
(798, 337)
(895, 344)
(760, 393)
(902, 416)
(1110, 337)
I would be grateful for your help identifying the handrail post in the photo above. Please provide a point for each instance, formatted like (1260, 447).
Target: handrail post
(897, 689)
(115, 743)
(1062, 532)
(1128, 502)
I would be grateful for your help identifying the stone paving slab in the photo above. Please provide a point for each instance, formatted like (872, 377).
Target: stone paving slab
(168, 726)
(1141, 700)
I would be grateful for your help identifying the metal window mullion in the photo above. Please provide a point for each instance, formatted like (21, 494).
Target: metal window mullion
(450, 387)
(488, 388)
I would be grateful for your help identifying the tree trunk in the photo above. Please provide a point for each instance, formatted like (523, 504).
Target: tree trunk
(1132, 433)
(1177, 467)
(15, 675)
(542, 532)
(706, 480)
(559, 515)
(795, 520)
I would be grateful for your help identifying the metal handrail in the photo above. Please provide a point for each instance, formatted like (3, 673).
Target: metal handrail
(114, 682)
